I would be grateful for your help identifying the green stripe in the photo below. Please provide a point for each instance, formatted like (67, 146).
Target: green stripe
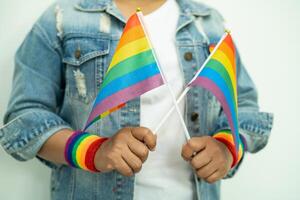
(128, 65)
(226, 131)
(75, 147)
(220, 69)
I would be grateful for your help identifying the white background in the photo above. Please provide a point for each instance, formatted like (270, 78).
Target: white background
(267, 33)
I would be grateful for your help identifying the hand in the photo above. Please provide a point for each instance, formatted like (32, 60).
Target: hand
(212, 159)
(126, 151)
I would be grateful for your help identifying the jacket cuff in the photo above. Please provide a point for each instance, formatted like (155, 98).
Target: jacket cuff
(255, 127)
(23, 136)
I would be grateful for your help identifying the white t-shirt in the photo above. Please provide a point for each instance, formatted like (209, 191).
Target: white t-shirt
(165, 175)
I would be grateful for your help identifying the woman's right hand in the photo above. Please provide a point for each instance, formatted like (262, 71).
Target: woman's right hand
(126, 151)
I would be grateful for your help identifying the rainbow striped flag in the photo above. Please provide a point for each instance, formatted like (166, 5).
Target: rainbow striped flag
(132, 72)
(218, 75)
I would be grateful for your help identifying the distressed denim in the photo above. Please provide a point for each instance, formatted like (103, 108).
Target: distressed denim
(60, 66)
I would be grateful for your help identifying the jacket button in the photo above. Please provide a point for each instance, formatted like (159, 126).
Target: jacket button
(188, 56)
(77, 53)
(194, 116)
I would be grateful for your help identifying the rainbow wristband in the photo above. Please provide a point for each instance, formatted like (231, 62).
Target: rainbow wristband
(227, 138)
(81, 149)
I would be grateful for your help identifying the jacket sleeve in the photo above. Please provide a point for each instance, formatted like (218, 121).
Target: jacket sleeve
(254, 126)
(37, 91)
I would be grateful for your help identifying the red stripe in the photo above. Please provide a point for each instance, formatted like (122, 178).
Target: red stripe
(131, 22)
(229, 42)
(91, 152)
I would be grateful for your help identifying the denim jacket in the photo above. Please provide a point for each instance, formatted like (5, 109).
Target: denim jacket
(58, 71)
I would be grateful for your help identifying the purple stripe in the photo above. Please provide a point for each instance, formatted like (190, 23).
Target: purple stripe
(67, 146)
(211, 86)
(126, 95)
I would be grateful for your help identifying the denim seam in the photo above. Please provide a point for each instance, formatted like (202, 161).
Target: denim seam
(39, 31)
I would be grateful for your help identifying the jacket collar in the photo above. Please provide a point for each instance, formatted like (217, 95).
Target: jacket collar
(187, 7)
(189, 10)
(99, 6)
(92, 5)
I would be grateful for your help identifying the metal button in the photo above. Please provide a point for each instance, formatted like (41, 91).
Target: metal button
(77, 53)
(194, 116)
(188, 56)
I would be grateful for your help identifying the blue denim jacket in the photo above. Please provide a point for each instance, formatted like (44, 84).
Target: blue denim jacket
(60, 66)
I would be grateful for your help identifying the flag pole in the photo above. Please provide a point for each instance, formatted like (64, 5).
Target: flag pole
(171, 110)
(188, 87)
(187, 135)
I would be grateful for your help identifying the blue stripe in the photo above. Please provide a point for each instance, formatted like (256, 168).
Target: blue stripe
(220, 82)
(127, 80)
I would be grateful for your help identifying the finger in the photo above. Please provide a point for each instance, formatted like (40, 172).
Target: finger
(193, 146)
(201, 159)
(122, 167)
(186, 152)
(139, 149)
(132, 160)
(145, 135)
(207, 170)
(214, 177)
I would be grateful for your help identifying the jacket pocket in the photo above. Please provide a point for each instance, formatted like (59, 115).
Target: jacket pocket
(85, 58)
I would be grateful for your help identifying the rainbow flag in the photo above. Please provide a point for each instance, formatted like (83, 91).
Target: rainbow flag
(132, 72)
(218, 75)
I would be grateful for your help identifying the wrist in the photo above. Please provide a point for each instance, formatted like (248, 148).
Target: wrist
(227, 139)
(81, 148)
(99, 157)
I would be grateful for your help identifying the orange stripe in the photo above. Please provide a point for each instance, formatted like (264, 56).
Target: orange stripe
(131, 22)
(83, 149)
(130, 35)
(225, 136)
(228, 40)
(225, 48)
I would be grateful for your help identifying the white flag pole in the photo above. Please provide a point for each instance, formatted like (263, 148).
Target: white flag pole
(188, 87)
(186, 132)
(171, 110)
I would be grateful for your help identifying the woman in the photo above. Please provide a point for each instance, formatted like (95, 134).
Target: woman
(59, 69)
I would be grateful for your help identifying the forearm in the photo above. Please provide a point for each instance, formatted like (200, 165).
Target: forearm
(53, 149)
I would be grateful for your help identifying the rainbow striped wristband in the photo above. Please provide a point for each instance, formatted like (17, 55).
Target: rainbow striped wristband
(81, 148)
(226, 138)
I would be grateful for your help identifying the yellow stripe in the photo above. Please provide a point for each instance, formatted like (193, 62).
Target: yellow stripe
(105, 114)
(230, 54)
(128, 50)
(222, 58)
(82, 149)
(240, 153)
